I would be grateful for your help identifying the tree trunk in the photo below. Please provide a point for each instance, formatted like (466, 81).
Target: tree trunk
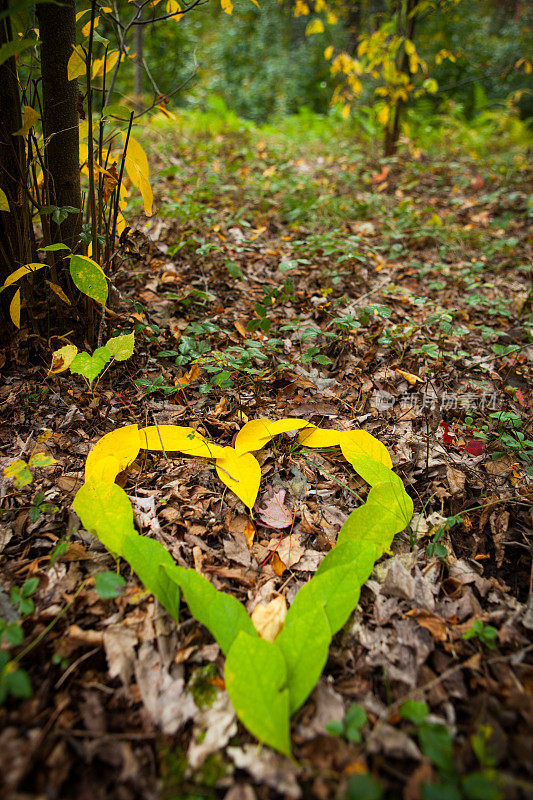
(57, 31)
(15, 224)
(392, 131)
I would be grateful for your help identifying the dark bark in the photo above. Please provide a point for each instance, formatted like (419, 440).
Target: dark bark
(57, 26)
(15, 224)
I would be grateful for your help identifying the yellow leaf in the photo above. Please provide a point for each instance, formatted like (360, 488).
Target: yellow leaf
(59, 291)
(137, 169)
(258, 432)
(87, 27)
(227, 6)
(268, 619)
(177, 438)
(76, 63)
(409, 377)
(319, 437)
(98, 64)
(301, 9)
(241, 473)
(14, 309)
(62, 359)
(173, 7)
(362, 443)
(30, 118)
(4, 202)
(256, 3)
(328, 52)
(315, 26)
(346, 111)
(21, 271)
(383, 115)
(113, 453)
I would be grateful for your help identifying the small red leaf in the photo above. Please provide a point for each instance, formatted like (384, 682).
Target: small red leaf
(475, 447)
(447, 437)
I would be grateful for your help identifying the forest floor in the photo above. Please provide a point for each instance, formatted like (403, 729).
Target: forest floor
(289, 273)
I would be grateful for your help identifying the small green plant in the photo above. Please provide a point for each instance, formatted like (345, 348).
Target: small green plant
(40, 506)
(436, 744)
(351, 726)
(486, 634)
(14, 680)
(109, 585)
(21, 471)
(118, 348)
(435, 548)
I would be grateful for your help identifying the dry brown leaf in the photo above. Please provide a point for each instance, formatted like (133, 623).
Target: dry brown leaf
(268, 619)
(249, 533)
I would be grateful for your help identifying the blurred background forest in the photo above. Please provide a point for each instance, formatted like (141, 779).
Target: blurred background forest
(474, 69)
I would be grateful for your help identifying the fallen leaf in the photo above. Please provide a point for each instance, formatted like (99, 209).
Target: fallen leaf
(275, 514)
(268, 619)
(409, 377)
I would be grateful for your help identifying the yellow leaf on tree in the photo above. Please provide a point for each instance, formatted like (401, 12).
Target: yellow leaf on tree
(59, 291)
(14, 309)
(328, 52)
(383, 115)
(113, 453)
(137, 169)
(173, 7)
(4, 202)
(62, 359)
(109, 63)
(301, 9)
(227, 6)
(315, 26)
(76, 63)
(87, 27)
(30, 118)
(241, 473)
(21, 271)
(268, 619)
(258, 432)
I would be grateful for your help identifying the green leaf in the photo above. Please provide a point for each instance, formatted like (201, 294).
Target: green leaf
(304, 642)
(150, 561)
(437, 745)
(480, 786)
(18, 470)
(109, 585)
(121, 347)
(52, 248)
(415, 711)
(335, 728)
(41, 460)
(14, 634)
(90, 366)
(18, 684)
(255, 676)
(89, 278)
(387, 511)
(336, 590)
(29, 586)
(364, 787)
(105, 510)
(15, 47)
(360, 555)
(441, 791)
(221, 613)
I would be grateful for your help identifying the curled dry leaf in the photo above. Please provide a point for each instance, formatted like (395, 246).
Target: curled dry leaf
(268, 619)
(275, 514)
